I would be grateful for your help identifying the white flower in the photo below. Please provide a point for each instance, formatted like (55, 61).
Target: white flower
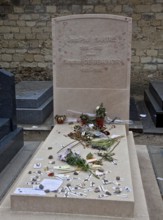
(97, 108)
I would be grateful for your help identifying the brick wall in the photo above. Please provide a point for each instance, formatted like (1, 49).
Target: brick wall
(25, 32)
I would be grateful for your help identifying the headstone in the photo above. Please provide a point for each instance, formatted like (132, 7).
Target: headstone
(91, 63)
(7, 97)
(11, 137)
(4, 127)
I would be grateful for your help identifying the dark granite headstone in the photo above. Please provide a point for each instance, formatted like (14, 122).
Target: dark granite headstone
(4, 127)
(7, 98)
(156, 89)
(11, 137)
(154, 109)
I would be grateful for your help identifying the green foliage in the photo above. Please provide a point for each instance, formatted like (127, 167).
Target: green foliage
(100, 111)
(74, 159)
(89, 156)
(103, 144)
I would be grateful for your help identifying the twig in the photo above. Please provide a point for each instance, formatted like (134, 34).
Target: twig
(65, 146)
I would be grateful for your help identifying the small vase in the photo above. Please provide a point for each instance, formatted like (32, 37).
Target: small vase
(60, 119)
(100, 122)
(83, 122)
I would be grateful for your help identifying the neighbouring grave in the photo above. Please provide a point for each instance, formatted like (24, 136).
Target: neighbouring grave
(153, 98)
(91, 66)
(34, 101)
(11, 137)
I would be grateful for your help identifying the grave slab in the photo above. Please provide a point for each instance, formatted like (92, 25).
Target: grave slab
(7, 97)
(93, 59)
(156, 89)
(9, 146)
(35, 115)
(32, 94)
(155, 111)
(4, 127)
(140, 208)
(113, 205)
(147, 122)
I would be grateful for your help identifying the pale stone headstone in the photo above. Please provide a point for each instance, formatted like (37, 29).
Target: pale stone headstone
(91, 63)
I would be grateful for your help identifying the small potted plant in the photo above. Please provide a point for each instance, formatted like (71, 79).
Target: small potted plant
(60, 119)
(84, 119)
(100, 115)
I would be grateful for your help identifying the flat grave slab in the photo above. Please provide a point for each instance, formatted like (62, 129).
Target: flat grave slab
(35, 116)
(140, 208)
(85, 201)
(32, 94)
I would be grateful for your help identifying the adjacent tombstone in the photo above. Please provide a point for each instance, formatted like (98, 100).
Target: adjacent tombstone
(91, 63)
(153, 98)
(11, 137)
(7, 97)
(34, 101)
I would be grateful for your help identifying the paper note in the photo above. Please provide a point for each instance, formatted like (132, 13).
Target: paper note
(29, 191)
(51, 184)
(160, 178)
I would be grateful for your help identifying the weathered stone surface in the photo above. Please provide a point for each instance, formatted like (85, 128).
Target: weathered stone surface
(13, 27)
(35, 116)
(112, 205)
(32, 94)
(93, 60)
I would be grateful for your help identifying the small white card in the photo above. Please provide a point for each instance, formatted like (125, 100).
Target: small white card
(29, 191)
(51, 184)
(37, 166)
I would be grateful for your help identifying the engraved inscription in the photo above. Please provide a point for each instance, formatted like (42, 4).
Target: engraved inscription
(92, 62)
(95, 39)
(93, 52)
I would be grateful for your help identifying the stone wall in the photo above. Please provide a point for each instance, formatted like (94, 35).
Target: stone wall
(25, 33)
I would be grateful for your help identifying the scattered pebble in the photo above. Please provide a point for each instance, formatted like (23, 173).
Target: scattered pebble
(108, 193)
(97, 189)
(41, 186)
(117, 190)
(76, 173)
(118, 178)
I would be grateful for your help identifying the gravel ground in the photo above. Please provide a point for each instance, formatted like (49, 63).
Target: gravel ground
(148, 139)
